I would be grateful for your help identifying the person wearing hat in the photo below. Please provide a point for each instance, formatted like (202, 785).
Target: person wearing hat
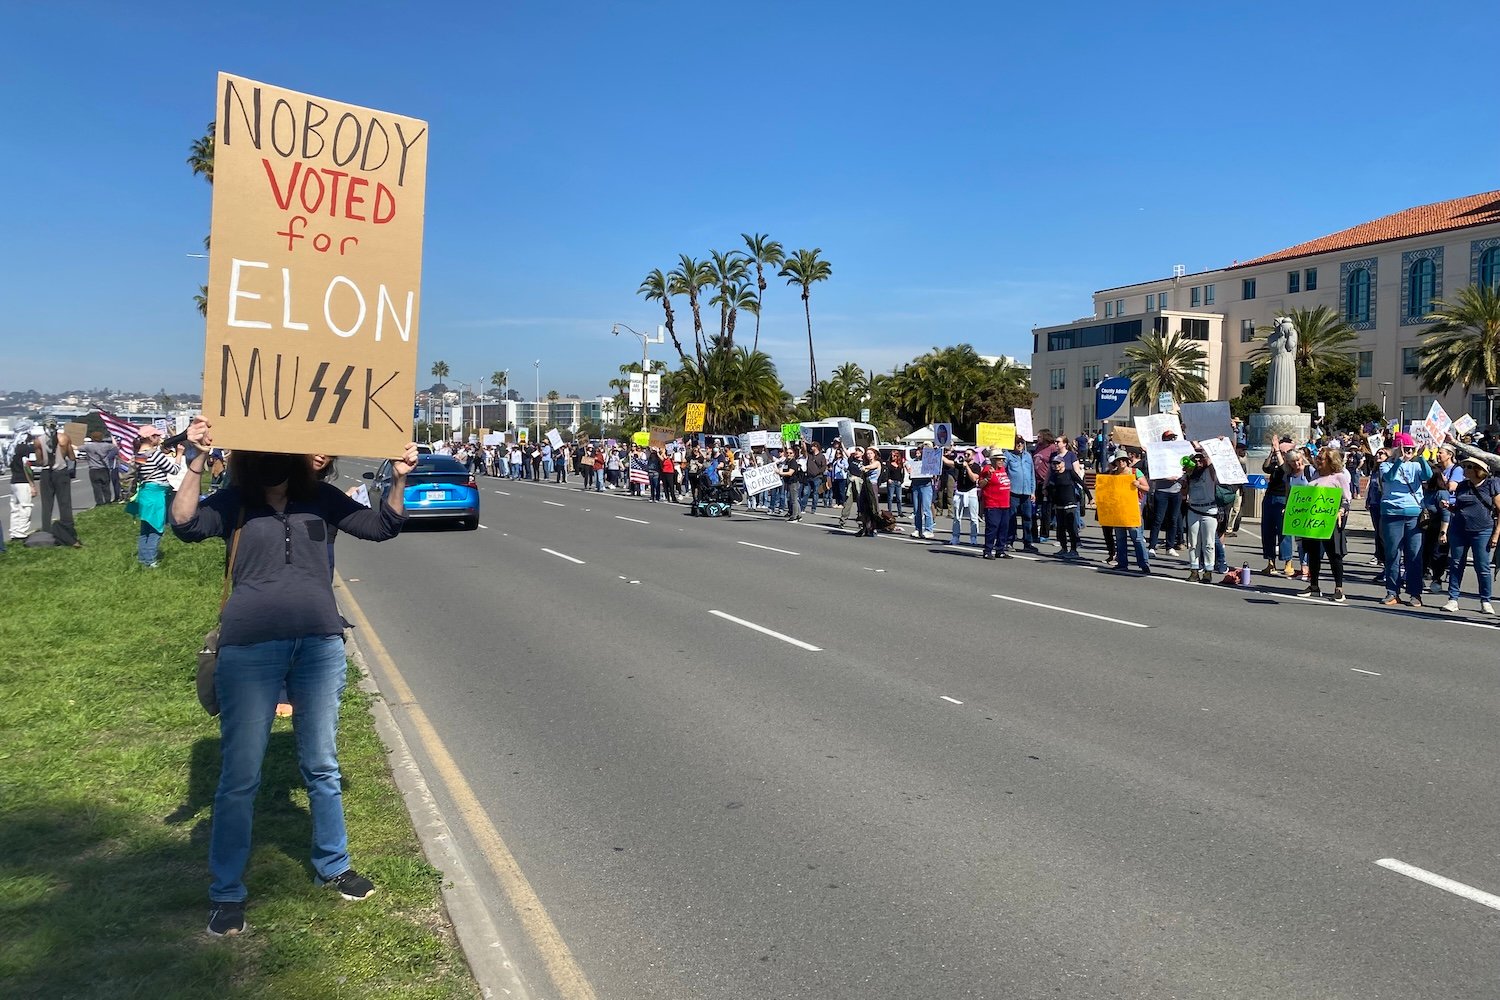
(153, 474)
(1402, 477)
(1471, 529)
(1122, 463)
(994, 499)
(22, 484)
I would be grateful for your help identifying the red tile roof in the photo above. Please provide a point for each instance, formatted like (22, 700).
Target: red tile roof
(1439, 217)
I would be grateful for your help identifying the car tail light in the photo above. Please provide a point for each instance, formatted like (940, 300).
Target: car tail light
(472, 484)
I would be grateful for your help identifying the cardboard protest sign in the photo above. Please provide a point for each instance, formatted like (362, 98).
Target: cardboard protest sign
(942, 435)
(1164, 458)
(1226, 463)
(1125, 436)
(314, 283)
(694, 420)
(791, 432)
(987, 435)
(1312, 511)
(554, 438)
(1118, 501)
(846, 432)
(1023, 425)
(1152, 426)
(1201, 421)
(1464, 425)
(759, 478)
(661, 435)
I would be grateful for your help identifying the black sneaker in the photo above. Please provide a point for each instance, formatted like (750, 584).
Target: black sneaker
(351, 885)
(226, 919)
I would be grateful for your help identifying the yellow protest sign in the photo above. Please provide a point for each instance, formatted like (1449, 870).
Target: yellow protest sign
(642, 438)
(695, 412)
(314, 279)
(995, 435)
(1118, 501)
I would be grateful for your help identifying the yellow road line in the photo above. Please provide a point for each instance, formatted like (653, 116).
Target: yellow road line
(562, 967)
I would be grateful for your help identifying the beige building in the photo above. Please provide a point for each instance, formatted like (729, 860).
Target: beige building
(1381, 276)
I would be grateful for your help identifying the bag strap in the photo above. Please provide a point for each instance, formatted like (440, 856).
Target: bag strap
(234, 548)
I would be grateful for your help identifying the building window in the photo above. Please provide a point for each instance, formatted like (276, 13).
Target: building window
(1159, 325)
(1119, 307)
(1245, 369)
(1195, 329)
(1366, 364)
(1059, 378)
(1150, 302)
(1088, 413)
(1195, 299)
(1109, 308)
(1419, 289)
(1247, 330)
(1208, 295)
(1409, 410)
(1410, 363)
(1489, 269)
(1310, 279)
(1357, 296)
(1247, 288)
(1293, 282)
(1162, 301)
(1090, 376)
(1055, 419)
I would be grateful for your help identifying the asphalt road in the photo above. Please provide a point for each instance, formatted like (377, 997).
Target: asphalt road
(971, 787)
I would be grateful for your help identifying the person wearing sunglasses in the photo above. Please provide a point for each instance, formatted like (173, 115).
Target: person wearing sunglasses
(1401, 479)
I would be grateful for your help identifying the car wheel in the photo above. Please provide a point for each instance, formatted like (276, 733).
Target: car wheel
(471, 523)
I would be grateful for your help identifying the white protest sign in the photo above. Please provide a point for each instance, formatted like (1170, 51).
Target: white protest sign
(1227, 465)
(757, 439)
(1376, 442)
(361, 494)
(759, 478)
(1438, 422)
(1164, 458)
(1464, 425)
(554, 438)
(846, 432)
(1152, 426)
(932, 463)
(1023, 425)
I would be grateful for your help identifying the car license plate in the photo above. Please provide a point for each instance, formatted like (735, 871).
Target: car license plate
(433, 495)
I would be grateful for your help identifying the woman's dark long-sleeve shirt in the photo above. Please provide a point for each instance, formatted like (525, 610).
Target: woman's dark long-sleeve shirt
(282, 588)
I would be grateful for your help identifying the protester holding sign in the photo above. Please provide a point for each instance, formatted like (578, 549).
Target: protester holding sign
(1331, 473)
(1401, 479)
(994, 497)
(1471, 529)
(1273, 543)
(1200, 485)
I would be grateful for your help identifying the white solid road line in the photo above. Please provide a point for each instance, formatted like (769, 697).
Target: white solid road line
(502, 493)
(622, 517)
(1070, 611)
(1370, 672)
(954, 700)
(553, 552)
(1438, 881)
(765, 631)
(769, 548)
(554, 503)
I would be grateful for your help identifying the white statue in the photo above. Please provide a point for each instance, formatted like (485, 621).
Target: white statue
(1281, 376)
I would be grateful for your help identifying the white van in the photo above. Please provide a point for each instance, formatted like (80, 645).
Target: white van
(826, 432)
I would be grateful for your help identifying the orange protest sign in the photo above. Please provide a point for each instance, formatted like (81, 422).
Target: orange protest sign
(1118, 501)
(314, 273)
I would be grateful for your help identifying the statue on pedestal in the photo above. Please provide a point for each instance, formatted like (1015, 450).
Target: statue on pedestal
(1281, 376)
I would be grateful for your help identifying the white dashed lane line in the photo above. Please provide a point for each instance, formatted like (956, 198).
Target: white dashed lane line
(1441, 882)
(769, 548)
(1070, 611)
(770, 632)
(554, 503)
(633, 520)
(954, 700)
(554, 552)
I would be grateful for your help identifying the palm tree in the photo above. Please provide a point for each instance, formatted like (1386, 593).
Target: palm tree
(740, 297)
(764, 252)
(201, 301)
(1463, 345)
(803, 269)
(729, 269)
(440, 370)
(499, 380)
(689, 278)
(1166, 362)
(553, 395)
(201, 157)
(1323, 336)
(736, 384)
(657, 287)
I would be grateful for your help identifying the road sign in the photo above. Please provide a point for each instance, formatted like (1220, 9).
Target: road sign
(1110, 395)
(864, 415)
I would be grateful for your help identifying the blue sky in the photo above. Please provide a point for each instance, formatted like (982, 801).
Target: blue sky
(970, 170)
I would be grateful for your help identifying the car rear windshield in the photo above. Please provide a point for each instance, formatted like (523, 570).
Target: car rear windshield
(437, 469)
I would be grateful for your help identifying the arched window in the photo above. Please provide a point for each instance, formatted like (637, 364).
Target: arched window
(1489, 269)
(1357, 296)
(1419, 288)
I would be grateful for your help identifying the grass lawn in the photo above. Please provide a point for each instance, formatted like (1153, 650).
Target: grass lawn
(107, 773)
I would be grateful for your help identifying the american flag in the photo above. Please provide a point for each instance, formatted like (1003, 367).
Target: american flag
(124, 433)
(638, 472)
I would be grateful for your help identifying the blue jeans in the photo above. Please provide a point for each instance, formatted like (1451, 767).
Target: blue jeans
(1022, 507)
(1461, 541)
(1122, 554)
(994, 528)
(1167, 515)
(921, 506)
(249, 679)
(147, 543)
(893, 496)
(598, 480)
(1401, 537)
(1273, 544)
(966, 506)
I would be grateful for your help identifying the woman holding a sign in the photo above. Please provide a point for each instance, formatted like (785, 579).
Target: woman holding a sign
(1401, 479)
(1331, 472)
(1471, 528)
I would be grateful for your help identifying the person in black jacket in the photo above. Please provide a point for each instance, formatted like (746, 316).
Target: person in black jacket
(1065, 493)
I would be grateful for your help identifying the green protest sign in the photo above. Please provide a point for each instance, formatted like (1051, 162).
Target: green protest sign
(791, 432)
(1312, 511)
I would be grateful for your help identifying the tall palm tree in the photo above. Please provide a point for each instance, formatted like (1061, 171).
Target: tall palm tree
(1463, 345)
(499, 380)
(657, 287)
(729, 269)
(440, 370)
(739, 297)
(736, 384)
(1166, 362)
(689, 278)
(1322, 337)
(804, 269)
(201, 301)
(553, 395)
(201, 156)
(764, 252)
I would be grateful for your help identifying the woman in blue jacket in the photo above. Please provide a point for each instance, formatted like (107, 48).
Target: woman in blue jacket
(1401, 480)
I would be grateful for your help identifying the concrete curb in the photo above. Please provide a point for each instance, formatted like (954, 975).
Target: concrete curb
(489, 960)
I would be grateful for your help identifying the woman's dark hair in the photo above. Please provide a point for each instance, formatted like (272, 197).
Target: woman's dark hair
(251, 472)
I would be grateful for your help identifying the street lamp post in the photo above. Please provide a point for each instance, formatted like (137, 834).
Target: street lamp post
(1383, 387)
(1490, 392)
(537, 406)
(646, 341)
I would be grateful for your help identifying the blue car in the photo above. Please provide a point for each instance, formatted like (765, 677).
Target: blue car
(437, 488)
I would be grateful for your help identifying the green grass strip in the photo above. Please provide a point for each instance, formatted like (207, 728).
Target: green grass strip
(107, 774)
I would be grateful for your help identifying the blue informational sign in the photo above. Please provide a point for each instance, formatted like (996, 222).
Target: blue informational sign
(1110, 395)
(1257, 482)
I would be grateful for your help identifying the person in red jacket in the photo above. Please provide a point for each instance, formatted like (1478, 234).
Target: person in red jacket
(994, 497)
